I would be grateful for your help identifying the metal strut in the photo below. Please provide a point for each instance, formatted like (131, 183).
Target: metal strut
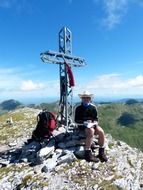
(65, 61)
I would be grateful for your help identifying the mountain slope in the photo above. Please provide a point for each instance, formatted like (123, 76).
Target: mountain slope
(123, 171)
(123, 122)
(8, 105)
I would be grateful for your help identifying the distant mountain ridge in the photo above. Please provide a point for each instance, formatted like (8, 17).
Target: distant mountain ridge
(9, 105)
(14, 102)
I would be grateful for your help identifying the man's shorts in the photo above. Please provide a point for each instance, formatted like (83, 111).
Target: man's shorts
(83, 127)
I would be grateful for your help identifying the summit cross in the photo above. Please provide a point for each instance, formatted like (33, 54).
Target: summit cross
(65, 60)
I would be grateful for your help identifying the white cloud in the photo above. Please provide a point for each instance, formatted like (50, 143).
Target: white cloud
(114, 85)
(29, 85)
(136, 82)
(12, 85)
(115, 10)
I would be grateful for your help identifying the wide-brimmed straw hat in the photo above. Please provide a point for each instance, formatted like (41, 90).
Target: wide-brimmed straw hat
(86, 94)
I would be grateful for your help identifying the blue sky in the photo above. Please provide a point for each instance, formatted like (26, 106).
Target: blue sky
(108, 34)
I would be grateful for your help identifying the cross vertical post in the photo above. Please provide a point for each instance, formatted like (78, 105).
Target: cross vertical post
(66, 107)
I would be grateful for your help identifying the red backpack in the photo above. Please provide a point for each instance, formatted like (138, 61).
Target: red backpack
(46, 123)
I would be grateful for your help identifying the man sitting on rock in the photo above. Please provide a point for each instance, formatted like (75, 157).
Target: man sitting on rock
(86, 118)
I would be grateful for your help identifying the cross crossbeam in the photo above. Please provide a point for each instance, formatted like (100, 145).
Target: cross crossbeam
(60, 58)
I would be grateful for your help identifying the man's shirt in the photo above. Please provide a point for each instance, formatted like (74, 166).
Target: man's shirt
(85, 113)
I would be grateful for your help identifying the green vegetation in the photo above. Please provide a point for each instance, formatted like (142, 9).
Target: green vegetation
(127, 119)
(83, 173)
(24, 121)
(124, 121)
(49, 106)
(36, 181)
(131, 101)
(9, 105)
(9, 171)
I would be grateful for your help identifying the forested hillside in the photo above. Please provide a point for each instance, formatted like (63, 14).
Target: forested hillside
(124, 121)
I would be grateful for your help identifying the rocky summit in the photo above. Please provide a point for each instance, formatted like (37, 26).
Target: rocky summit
(58, 163)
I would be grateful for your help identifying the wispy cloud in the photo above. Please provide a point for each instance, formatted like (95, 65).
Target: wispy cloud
(116, 85)
(115, 11)
(17, 5)
(13, 85)
(136, 82)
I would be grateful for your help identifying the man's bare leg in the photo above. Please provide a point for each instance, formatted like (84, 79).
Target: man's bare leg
(101, 141)
(88, 142)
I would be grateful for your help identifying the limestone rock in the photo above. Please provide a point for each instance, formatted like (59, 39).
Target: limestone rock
(63, 165)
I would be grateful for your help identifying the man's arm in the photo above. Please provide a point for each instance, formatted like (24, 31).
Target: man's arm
(94, 113)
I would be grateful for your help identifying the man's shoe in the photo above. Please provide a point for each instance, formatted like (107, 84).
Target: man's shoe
(89, 157)
(102, 156)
